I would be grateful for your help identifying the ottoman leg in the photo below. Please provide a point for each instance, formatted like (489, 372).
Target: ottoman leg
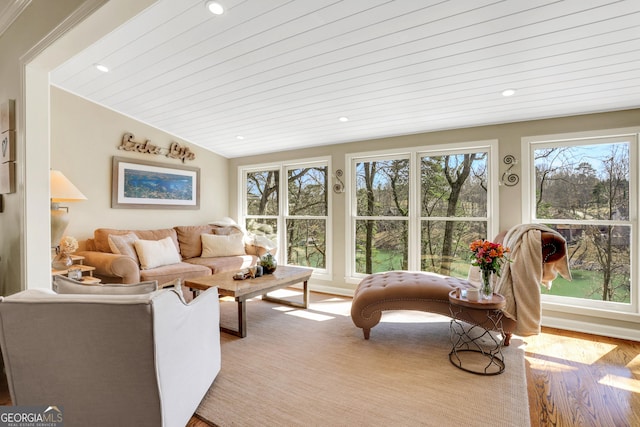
(507, 339)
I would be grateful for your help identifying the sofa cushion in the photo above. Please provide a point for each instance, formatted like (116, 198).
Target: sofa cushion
(64, 285)
(101, 236)
(224, 263)
(214, 245)
(190, 240)
(156, 253)
(167, 273)
(123, 245)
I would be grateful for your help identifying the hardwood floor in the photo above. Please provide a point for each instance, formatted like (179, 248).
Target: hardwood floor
(576, 379)
(573, 379)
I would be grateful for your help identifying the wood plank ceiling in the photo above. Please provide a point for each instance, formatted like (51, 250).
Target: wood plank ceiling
(273, 75)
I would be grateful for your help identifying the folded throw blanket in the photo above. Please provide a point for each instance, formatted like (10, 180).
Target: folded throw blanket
(520, 279)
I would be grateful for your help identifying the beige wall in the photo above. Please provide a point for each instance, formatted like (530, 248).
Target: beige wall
(84, 139)
(509, 136)
(39, 18)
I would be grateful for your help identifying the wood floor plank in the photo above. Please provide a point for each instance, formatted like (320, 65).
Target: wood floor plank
(585, 380)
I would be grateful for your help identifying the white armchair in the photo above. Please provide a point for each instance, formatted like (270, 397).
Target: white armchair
(143, 360)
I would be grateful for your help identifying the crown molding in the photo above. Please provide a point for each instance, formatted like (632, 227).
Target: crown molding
(10, 12)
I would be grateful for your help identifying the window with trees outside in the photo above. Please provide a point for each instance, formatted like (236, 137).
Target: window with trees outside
(421, 210)
(293, 212)
(585, 188)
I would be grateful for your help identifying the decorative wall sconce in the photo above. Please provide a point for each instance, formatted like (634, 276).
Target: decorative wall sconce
(338, 187)
(509, 178)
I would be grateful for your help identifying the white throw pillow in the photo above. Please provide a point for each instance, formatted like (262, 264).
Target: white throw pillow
(156, 253)
(215, 245)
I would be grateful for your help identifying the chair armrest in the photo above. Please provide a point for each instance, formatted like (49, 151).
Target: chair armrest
(187, 350)
(113, 265)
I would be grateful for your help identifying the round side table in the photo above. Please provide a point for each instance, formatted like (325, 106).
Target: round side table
(474, 348)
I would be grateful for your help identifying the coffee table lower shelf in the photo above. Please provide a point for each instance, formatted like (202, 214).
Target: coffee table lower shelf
(243, 290)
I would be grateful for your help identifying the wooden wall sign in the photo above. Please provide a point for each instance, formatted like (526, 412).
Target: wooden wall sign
(8, 146)
(175, 150)
(7, 178)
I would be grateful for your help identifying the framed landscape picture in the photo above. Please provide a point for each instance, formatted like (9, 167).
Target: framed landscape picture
(151, 185)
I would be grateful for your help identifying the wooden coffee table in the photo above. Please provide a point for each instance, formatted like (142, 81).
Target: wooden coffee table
(242, 290)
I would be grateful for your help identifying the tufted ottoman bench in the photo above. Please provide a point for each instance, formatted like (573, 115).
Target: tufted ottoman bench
(409, 290)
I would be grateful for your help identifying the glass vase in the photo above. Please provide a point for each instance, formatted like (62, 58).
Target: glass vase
(62, 261)
(486, 289)
(268, 263)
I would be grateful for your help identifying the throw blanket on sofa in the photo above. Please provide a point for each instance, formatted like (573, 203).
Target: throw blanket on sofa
(521, 278)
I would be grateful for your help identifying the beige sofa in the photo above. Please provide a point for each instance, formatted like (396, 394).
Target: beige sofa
(121, 268)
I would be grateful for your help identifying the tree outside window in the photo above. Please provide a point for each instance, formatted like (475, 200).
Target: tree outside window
(262, 203)
(583, 191)
(301, 215)
(453, 192)
(450, 211)
(382, 205)
(306, 222)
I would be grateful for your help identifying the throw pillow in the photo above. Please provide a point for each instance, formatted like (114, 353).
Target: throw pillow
(156, 253)
(64, 285)
(214, 245)
(123, 245)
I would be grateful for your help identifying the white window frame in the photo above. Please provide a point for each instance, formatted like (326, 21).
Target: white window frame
(592, 308)
(283, 205)
(414, 154)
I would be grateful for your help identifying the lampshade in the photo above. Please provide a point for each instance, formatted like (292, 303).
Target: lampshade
(62, 190)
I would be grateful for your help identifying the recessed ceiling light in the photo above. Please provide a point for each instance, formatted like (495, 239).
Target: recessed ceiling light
(240, 137)
(344, 119)
(102, 68)
(508, 92)
(215, 7)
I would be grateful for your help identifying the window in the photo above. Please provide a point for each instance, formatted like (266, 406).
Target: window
(382, 213)
(585, 188)
(293, 212)
(421, 209)
(453, 190)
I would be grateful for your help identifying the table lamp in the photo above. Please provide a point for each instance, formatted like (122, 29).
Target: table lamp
(62, 190)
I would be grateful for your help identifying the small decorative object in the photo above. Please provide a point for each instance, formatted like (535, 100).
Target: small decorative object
(489, 257)
(473, 294)
(509, 178)
(63, 261)
(252, 271)
(242, 274)
(259, 271)
(68, 245)
(268, 263)
(338, 187)
(486, 289)
(74, 273)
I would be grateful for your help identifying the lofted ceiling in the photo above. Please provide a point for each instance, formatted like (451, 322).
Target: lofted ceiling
(273, 75)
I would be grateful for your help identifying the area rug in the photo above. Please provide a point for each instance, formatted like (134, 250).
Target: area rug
(314, 368)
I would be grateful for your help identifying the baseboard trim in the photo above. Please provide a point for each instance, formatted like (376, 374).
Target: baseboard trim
(327, 290)
(592, 328)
